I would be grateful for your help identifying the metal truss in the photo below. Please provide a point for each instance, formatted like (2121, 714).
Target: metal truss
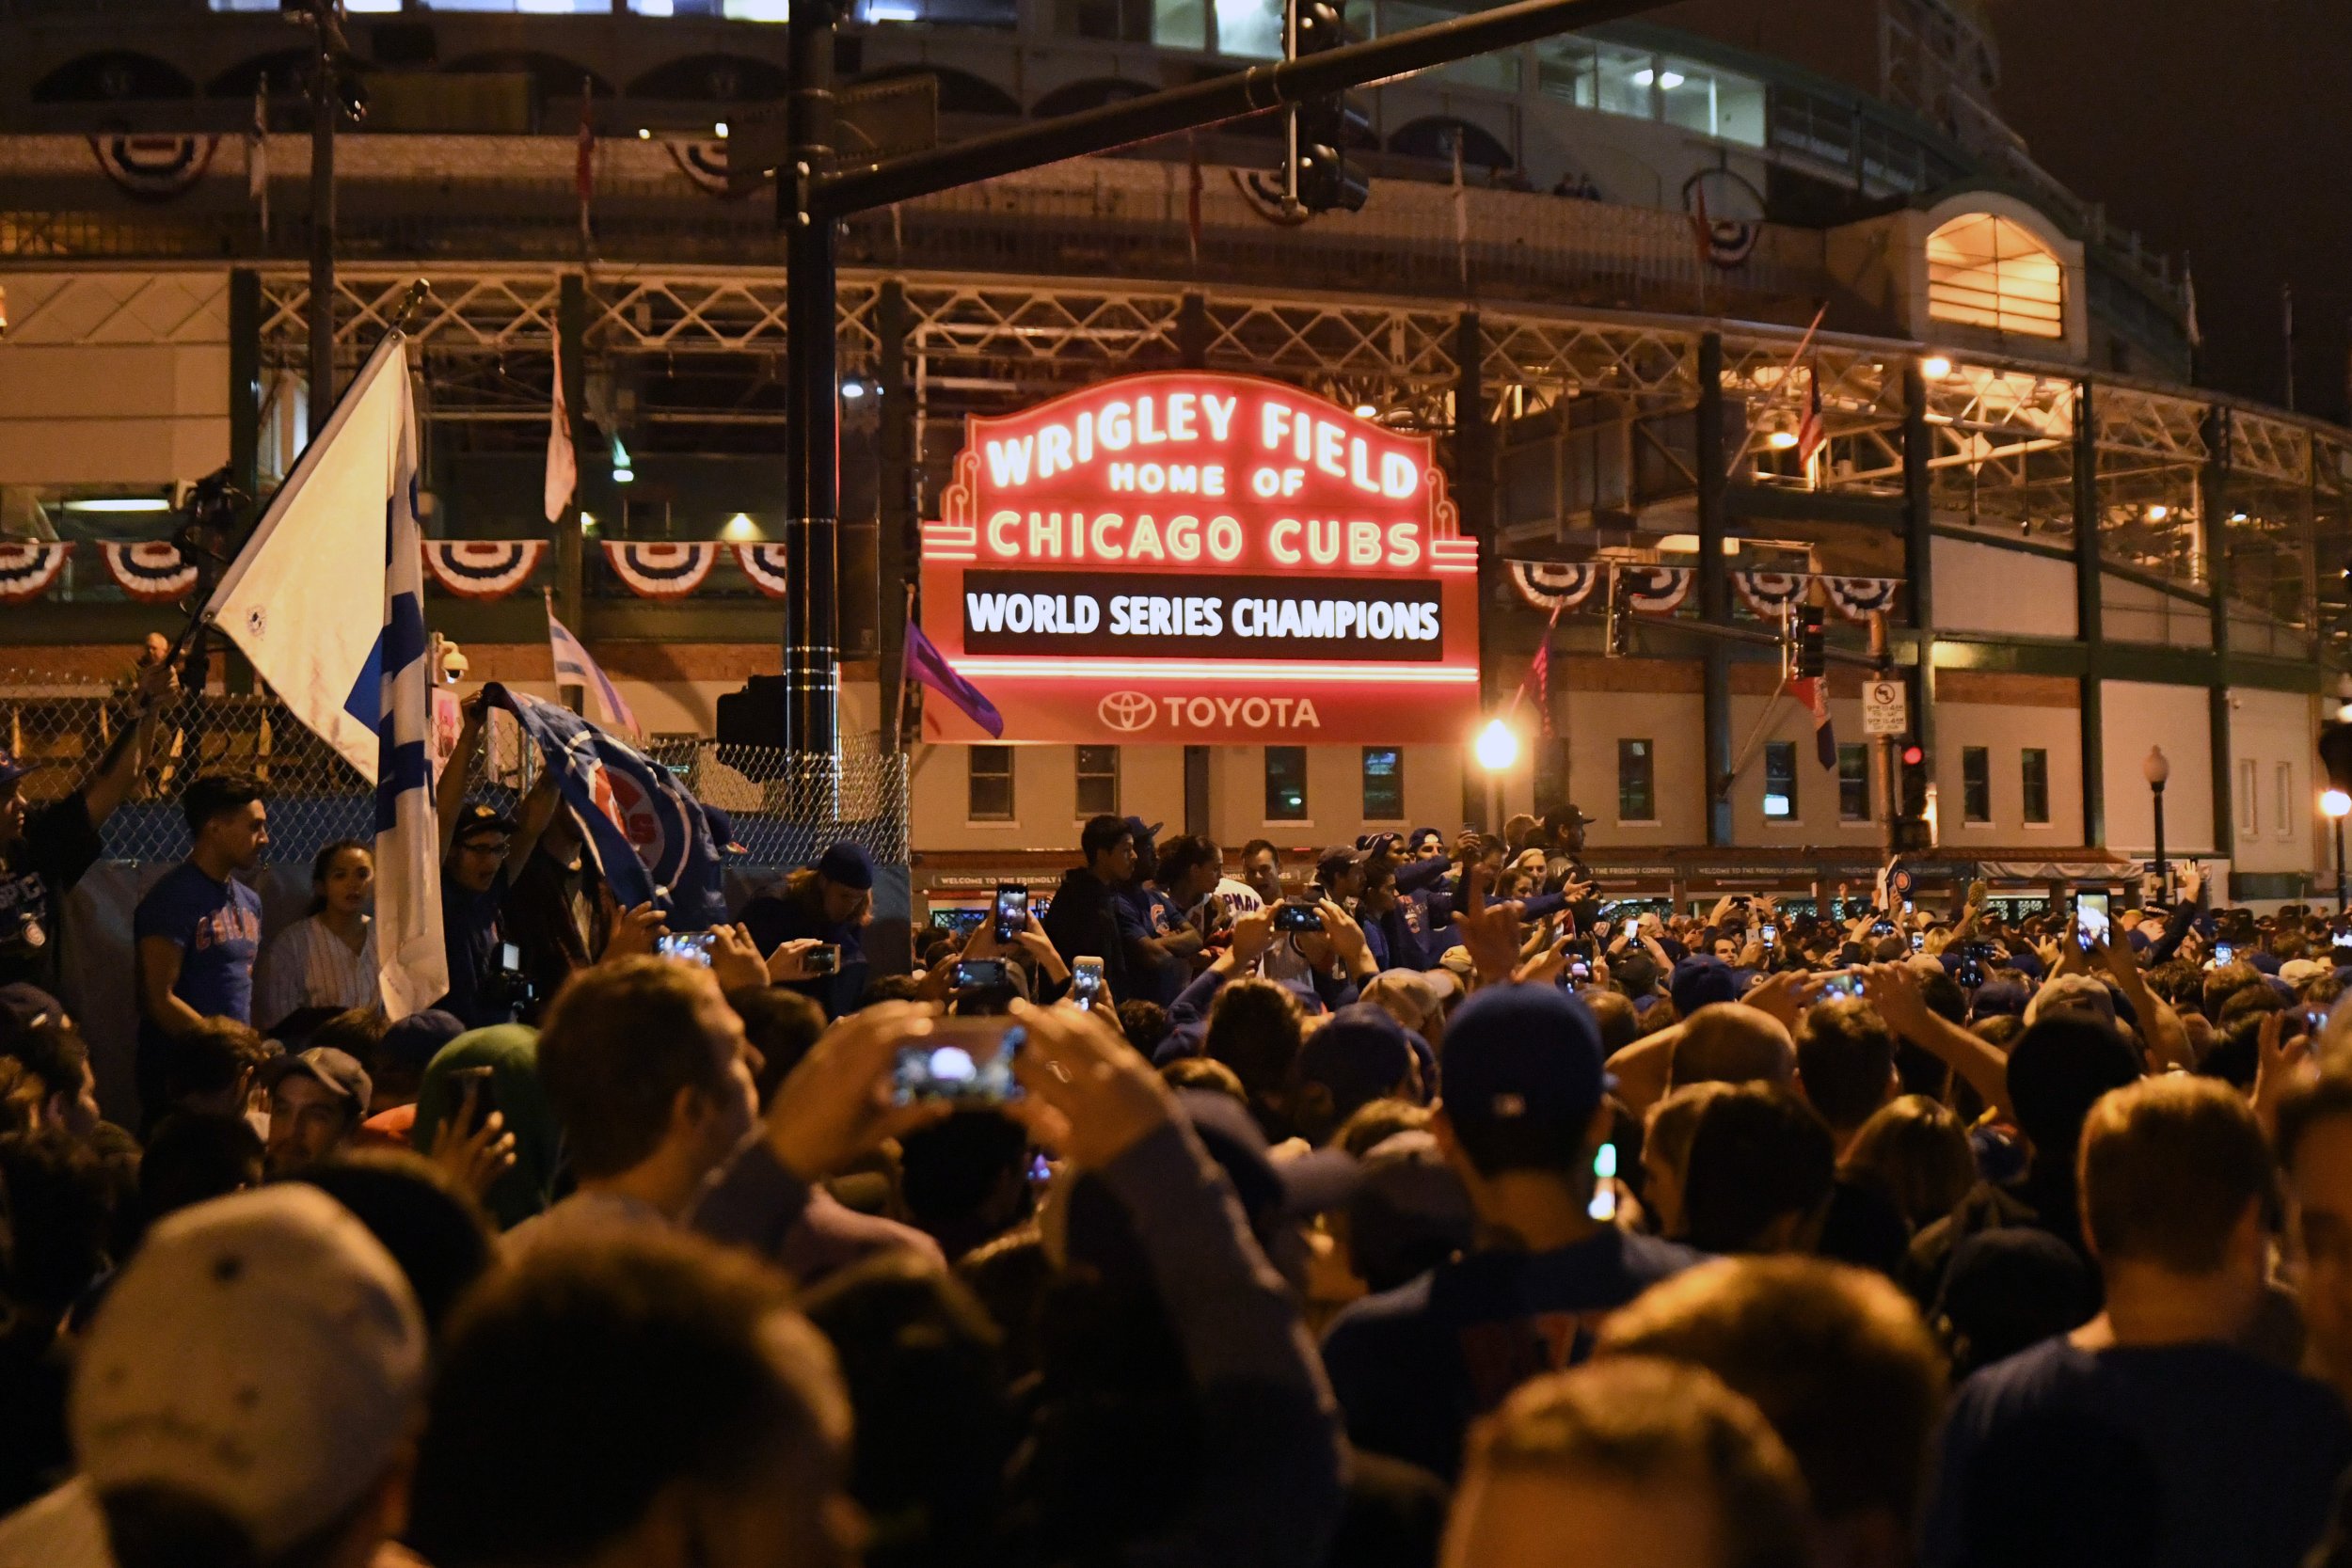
(1862, 416)
(2269, 449)
(1539, 361)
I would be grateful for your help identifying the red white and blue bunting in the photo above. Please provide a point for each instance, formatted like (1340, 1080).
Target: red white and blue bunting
(1769, 593)
(705, 165)
(1859, 598)
(661, 571)
(27, 570)
(153, 169)
(764, 565)
(1656, 589)
(151, 573)
(482, 568)
(1554, 586)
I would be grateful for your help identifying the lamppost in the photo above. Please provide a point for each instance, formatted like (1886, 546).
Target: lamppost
(2156, 771)
(2334, 805)
(1497, 749)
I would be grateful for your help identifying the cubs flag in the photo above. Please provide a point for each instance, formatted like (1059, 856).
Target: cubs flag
(926, 664)
(327, 599)
(1814, 693)
(650, 838)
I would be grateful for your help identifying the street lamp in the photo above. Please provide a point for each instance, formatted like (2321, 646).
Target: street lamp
(2156, 771)
(2334, 805)
(1497, 749)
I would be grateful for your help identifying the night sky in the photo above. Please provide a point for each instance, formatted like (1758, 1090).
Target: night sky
(2221, 129)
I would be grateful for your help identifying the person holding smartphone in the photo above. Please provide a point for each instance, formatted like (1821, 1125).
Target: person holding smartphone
(829, 902)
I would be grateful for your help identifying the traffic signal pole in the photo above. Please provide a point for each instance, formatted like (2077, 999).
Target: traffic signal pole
(815, 189)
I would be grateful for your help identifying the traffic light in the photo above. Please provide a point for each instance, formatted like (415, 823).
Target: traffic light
(1913, 826)
(1316, 177)
(1806, 644)
(1617, 634)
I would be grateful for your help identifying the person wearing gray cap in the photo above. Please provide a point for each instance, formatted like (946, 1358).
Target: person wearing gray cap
(317, 1100)
(249, 1392)
(1522, 1118)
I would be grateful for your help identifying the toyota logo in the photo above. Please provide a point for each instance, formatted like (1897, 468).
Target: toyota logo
(1125, 711)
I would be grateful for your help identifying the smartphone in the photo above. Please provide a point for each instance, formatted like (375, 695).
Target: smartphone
(2091, 919)
(967, 1060)
(1580, 969)
(510, 957)
(1918, 941)
(687, 947)
(1971, 972)
(1884, 928)
(2223, 953)
(1768, 935)
(2340, 940)
(980, 973)
(1844, 983)
(822, 960)
(1604, 1204)
(483, 1081)
(1085, 981)
(1012, 909)
(1906, 906)
(1040, 1170)
(1298, 914)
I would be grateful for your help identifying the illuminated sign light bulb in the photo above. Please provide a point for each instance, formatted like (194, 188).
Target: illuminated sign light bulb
(1497, 747)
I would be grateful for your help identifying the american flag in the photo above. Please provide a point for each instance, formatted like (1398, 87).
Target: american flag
(1811, 433)
(584, 167)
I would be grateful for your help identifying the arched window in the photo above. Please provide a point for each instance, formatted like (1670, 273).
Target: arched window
(1988, 271)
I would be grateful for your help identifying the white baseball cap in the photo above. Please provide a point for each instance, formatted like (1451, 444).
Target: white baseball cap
(261, 1353)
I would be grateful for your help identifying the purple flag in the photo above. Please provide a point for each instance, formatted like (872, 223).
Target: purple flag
(926, 663)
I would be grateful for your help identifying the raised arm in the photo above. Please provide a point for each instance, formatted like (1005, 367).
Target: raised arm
(1893, 990)
(449, 796)
(120, 771)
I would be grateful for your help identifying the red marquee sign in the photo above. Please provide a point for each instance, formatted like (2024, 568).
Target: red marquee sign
(1188, 558)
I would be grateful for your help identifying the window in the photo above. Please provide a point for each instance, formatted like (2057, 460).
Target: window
(1250, 29)
(1853, 783)
(1637, 789)
(1286, 784)
(1384, 784)
(1563, 69)
(2033, 769)
(1622, 83)
(1780, 781)
(1711, 102)
(1179, 24)
(989, 796)
(1975, 784)
(2249, 809)
(1988, 271)
(1098, 780)
(1499, 70)
(2286, 800)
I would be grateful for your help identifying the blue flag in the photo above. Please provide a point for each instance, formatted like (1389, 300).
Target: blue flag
(650, 838)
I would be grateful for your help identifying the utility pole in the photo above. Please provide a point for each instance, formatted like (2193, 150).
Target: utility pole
(813, 194)
(326, 102)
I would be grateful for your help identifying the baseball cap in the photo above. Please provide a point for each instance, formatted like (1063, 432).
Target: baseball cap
(1410, 1211)
(2294, 972)
(1421, 836)
(10, 769)
(28, 1006)
(261, 1353)
(337, 1071)
(477, 819)
(1697, 982)
(1343, 855)
(415, 1041)
(1529, 1052)
(846, 864)
(722, 831)
(1295, 1189)
(1145, 832)
(1568, 816)
(2072, 993)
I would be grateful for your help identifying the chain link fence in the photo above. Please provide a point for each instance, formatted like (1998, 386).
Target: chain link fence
(785, 806)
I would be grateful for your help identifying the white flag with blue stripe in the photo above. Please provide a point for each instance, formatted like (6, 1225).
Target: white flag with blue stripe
(575, 667)
(327, 599)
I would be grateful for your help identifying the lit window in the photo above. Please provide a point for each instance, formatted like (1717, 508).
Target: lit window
(989, 797)
(1988, 271)
(2034, 771)
(1286, 784)
(1712, 102)
(1098, 780)
(1637, 792)
(1975, 784)
(1853, 783)
(1250, 30)
(1180, 25)
(1780, 780)
(1384, 784)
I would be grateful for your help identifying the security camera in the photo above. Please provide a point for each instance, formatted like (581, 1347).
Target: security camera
(454, 663)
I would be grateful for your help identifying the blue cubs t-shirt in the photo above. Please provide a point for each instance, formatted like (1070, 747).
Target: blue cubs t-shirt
(217, 929)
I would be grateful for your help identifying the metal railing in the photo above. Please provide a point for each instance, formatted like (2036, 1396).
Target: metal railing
(785, 807)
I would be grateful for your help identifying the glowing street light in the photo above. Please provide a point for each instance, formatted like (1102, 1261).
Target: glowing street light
(1935, 367)
(2335, 803)
(1497, 747)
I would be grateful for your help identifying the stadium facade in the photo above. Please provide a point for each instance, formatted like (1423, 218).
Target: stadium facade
(1584, 281)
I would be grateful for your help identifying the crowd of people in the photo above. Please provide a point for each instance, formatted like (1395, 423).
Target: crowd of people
(1419, 1205)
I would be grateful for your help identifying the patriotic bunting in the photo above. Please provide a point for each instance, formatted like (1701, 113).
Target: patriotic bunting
(152, 573)
(1656, 589)
(482, 568)
(27, 570)
(1858, 598)
(1769, 592)
(764, 565)
(1550, 585)
(661, 571)
(154, 168)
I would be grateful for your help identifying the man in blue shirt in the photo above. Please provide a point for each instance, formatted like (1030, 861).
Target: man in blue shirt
(198, 929)
(830, 902)
(2146, 1435)
(1521, 1121)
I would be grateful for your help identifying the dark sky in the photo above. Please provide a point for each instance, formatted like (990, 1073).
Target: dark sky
(2219, 127)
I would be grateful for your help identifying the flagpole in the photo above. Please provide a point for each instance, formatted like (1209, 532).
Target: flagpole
(899, 731)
